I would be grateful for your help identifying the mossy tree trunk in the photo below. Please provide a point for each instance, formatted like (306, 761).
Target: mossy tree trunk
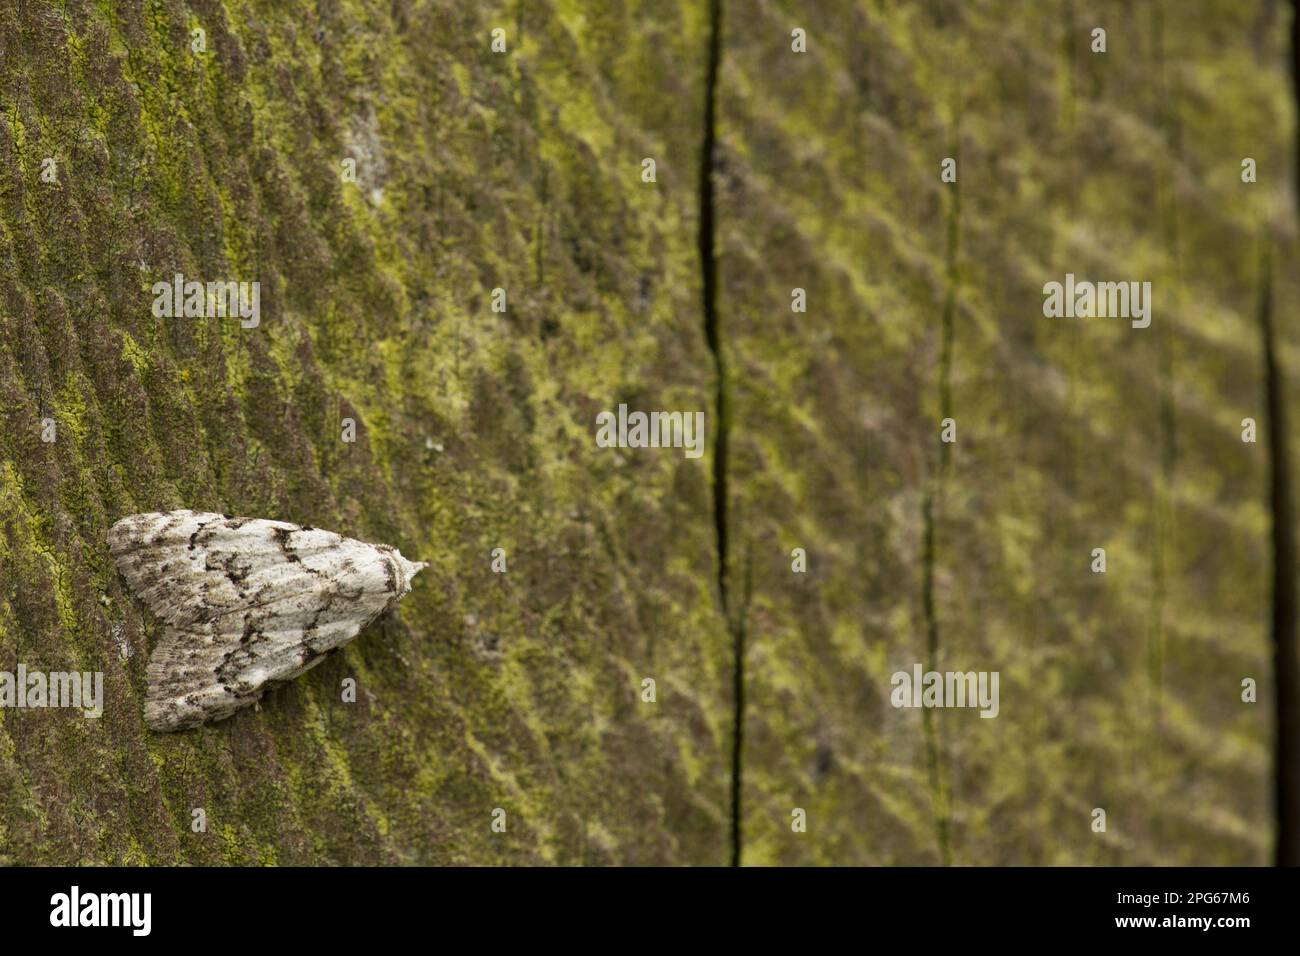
(521, 171)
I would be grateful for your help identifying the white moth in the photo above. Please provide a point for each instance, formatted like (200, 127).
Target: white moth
(247, 604)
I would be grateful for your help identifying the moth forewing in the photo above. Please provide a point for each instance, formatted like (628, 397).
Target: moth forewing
(247, 603)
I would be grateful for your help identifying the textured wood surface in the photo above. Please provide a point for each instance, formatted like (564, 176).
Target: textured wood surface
(522, 691)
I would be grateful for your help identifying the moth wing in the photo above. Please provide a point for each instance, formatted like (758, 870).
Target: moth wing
(246, 603)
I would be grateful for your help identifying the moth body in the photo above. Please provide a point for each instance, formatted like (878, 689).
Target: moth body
(246, 603)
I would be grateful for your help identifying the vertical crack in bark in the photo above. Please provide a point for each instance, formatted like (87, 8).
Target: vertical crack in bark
(1286, 660)
(722, 414)
(1167, 121)
(1286, 668)
(1285, 665)
(932, 499)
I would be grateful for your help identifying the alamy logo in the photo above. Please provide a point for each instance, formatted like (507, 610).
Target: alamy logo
(57, 689)
(948, 689)
(652, 430)
(211, 300)
(1104, 300)
(102, 909)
